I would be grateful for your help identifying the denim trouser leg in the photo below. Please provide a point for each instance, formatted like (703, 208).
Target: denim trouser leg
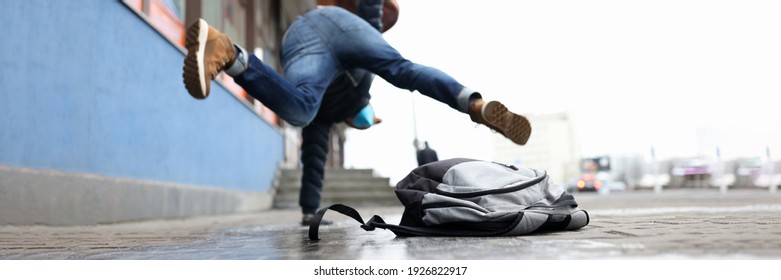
(296, 105)
(355, 44)
(322, 44)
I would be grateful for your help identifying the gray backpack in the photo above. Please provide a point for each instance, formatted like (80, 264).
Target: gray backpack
(467, 197)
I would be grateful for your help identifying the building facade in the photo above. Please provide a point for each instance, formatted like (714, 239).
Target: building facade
(96, 126)
(554, 147)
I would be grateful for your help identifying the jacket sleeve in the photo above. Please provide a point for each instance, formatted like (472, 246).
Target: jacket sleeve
(371, 11)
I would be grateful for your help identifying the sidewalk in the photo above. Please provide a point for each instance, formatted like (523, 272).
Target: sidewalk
(676, 224)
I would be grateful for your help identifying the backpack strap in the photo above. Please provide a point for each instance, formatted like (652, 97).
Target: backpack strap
(378, 222)
(400, 230)
(374, 222)
(341, 208)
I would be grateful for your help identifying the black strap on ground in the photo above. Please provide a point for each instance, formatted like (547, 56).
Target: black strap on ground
(400, 230)
(378, 222)
(341, 208)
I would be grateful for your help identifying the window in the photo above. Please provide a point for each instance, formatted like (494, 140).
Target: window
(163, 15)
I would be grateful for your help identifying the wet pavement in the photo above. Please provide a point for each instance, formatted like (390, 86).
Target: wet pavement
(676, 224)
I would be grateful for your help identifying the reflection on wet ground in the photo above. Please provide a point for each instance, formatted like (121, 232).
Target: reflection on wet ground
(346, 240)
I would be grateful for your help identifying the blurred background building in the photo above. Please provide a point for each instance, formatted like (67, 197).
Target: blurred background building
(554, 147)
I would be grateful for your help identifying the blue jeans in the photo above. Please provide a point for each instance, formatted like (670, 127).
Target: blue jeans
(324, 43)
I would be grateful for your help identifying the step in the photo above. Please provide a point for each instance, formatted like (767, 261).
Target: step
(347, 186)
(356, 198)
(331, 178)
(376, 183)
(367, 171)
(332, 195)
(287, 174)
(344, 192)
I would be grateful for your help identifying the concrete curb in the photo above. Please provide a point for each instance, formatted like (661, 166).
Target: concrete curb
(48, 197)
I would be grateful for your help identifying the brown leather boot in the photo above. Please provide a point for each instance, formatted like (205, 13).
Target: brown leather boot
(209, 51)
(497, 117)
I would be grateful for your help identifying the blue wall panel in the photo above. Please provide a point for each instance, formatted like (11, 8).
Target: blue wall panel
(88, 86)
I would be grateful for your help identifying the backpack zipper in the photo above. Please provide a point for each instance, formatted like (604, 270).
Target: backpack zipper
(449, 205)
(518, 187)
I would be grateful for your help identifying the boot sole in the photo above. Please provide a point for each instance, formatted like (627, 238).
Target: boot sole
(513, 126)
(194, 71)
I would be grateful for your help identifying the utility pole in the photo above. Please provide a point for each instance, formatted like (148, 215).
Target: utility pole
(414, 124)
(657, 182)
(722, 173)
(772, 184)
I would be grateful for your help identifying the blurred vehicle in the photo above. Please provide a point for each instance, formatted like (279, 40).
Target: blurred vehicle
(768, 176)
(651, 180)
(691, 173)
(748, 170)
(596, 176)
(599, 182)
(588, 182)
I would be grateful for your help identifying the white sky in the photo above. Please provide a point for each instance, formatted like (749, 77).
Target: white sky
(635, 74)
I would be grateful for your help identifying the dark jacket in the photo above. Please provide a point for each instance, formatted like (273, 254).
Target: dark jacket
(427, 155)
(347, 94)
